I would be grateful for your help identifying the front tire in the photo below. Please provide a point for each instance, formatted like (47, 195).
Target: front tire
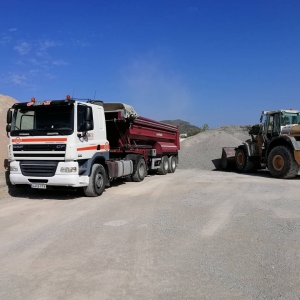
(281, 163)
(243, 162)
(97, 181)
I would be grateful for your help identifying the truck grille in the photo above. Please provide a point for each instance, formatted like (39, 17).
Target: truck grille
(38, 155)
(39, 147)
(38, 169)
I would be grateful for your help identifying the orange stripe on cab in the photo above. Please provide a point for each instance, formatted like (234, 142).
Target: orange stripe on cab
(87, 148)
(32, 140)
(102, 147)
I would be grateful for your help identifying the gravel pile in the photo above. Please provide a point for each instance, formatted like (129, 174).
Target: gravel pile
(204, 150)
(5, 103)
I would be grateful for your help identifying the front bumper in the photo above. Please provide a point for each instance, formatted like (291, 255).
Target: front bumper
(59, 178)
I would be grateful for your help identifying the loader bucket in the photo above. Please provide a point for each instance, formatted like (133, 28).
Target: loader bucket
(228, 158)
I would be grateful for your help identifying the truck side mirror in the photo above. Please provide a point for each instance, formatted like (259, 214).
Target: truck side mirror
(8, 128)
(89, 114)
(9, 117)
(89, 125)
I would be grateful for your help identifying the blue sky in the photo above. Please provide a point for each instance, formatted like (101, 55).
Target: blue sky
(218, 62)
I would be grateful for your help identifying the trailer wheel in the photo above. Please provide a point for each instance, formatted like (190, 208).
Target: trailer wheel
(172, 164)
(140, 172)
(97, 181)
(243, 162)
(281, 163)
(164, 166)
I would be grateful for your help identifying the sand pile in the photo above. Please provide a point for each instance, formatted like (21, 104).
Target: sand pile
(204, 149)
(5, 103)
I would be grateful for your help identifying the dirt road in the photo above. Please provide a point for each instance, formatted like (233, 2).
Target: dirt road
(189, 235)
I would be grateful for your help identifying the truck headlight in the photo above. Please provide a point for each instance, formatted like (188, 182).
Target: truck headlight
(13, 169)
(68, 169)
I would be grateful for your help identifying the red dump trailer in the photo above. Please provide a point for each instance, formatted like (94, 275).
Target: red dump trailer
(74, 144)
(130, 135)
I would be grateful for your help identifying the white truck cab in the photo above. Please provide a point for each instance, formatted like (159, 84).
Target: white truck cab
(54, 143)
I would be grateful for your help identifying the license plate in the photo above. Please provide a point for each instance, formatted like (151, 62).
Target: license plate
(38, 186)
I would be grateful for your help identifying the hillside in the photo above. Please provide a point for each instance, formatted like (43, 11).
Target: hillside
(184, 127)
(5, 103)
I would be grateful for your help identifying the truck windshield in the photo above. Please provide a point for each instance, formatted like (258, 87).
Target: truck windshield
(290, 118)
(43, 120)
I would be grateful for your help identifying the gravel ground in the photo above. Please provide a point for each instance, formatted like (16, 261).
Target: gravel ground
(204, 149)
(192, 235)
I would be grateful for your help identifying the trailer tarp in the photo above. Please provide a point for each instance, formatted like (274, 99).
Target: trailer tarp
(129, 111)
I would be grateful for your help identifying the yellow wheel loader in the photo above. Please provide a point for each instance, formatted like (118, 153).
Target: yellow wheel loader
(274, 144)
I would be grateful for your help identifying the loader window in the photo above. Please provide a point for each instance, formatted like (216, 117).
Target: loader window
(290, 118)
(270, 124)
(264, 120)
(276, 125)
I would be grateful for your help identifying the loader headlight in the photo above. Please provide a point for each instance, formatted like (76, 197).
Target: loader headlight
(68, 170)
(13, 169)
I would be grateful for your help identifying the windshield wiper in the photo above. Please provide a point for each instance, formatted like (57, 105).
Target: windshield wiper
(56, 132)
(50, 131)
(23, 133)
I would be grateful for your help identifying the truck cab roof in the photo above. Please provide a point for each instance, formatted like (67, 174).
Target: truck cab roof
(270, 112)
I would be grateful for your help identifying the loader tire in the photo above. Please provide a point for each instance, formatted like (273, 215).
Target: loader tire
(164, 166)
(97, 181)
(140, 172)
(281, 163)
(172, 164)
(244, 164)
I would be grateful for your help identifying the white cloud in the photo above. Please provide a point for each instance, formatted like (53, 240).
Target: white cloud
(193, 9)
(81, 43)
(59, 63)
(23, 48)
(22, 80)
(34, 71)
(5, 40)
(44, 45)
(18, 79)
(41, 63)
(50, 76)
(12, 29)
(19, 63)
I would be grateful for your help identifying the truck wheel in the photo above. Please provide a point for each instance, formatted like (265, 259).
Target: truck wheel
(140, 172)
(97, 181)
(164, 166)
(243, 162)
(281, 163)
(172, 164)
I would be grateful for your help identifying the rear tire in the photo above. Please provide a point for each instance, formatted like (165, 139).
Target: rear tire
(140, 172)
(243, 162)
(172, 164)
(164, 166)
(281, 163)
(97, 181)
